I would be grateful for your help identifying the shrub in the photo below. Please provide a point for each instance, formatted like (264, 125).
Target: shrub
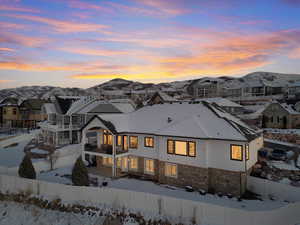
(80, 175)
(26, 169)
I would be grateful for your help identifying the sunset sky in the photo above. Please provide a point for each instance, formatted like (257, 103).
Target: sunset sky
(81, 43)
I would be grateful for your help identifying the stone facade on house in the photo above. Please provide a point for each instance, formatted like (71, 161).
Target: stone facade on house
(208, 179)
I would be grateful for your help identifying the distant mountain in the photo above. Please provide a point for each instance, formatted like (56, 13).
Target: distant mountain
(127, 85)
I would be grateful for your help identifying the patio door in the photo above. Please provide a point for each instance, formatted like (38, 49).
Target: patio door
(124, 166)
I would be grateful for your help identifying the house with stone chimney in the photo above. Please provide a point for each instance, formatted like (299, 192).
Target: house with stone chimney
(180, 144)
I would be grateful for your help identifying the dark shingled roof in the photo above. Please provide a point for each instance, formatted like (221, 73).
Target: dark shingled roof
(105, 108)
(33, 104)
(63, 104)
(108, 124)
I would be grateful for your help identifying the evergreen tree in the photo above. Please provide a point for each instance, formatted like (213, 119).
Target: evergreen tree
(80, 175)
(26, 169)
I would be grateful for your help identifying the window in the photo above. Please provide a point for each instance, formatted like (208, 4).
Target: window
(278, 119)
(185, 148)
(119, 140)
(192, 148)
(119, 162)
(149, 166)
(236, 152)
(247, 152)
(133, 142)
(107, 161)
(125, 142)
(133, 163)
(4, 111)
(124, 163)
(149, 142)
(171, 170)
(14, 111)
(107, 138)
(170, 147)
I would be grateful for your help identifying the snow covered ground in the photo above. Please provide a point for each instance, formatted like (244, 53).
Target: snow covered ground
(63, 175)
(12, 156)
(12, 213)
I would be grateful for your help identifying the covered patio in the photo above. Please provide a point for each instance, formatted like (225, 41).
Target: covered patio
(103, 150)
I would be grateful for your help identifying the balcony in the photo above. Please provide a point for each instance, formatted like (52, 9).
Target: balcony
(104, 149)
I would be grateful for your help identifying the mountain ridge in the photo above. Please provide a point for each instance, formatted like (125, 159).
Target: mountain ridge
(47, 91)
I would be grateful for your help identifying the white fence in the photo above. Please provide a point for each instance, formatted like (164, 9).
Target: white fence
(268, 188)
(185, 210)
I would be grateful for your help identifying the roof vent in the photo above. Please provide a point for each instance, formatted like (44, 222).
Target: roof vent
(169, 119)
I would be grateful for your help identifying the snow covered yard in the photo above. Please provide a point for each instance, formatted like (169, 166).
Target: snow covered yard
(12, 155)
(24, 214)
(63, 176)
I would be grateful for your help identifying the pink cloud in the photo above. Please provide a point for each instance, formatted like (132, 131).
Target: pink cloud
(92, 51)
(63, 26)
(17, 9)
(27, 41)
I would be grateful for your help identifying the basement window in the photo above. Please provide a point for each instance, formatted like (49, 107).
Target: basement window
(133, 163)
(149, 166)
(171, 170)
(236, 152)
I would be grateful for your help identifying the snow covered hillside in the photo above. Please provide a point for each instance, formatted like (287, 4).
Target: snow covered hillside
(127, 85)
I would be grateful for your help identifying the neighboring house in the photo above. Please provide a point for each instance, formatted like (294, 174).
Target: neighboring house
(180, 144)
(10, 112)
(226, 104)
(280, 115)
(205, 88)
(294, 89)
(160, 98)
(31, 112)
(65, 117)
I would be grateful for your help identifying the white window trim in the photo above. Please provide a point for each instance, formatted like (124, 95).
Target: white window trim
(176, 176)
(148, 172)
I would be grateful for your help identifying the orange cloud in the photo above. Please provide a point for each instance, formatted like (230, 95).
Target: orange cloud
(63, 26)
(33, 67)
(7, 49)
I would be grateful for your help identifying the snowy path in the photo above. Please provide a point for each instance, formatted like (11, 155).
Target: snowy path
(21, 214)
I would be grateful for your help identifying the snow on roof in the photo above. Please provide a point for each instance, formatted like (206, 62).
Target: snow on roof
(220, 101)
(201, 120)
(93, 105)
(50, 108)
(80, 104)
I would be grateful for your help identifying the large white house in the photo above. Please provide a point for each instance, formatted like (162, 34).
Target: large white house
(66, 116)
(194, 144)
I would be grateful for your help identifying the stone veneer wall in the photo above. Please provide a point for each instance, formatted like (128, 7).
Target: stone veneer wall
(225, 181)
(209, 179)
(195, 177)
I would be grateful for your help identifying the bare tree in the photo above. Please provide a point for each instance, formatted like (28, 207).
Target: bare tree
(52, 158)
